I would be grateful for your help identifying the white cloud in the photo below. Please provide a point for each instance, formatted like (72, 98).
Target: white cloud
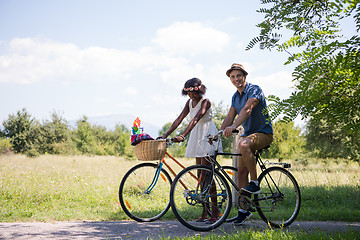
(279, 84)
(130, 91)
(30, 60)
(190, 38)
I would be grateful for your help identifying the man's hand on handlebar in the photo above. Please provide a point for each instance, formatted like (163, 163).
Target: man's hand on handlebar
(228, 131)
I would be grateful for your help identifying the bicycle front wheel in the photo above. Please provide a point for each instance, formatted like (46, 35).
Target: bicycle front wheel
(200, 198)
(144, 192)
(278, 204)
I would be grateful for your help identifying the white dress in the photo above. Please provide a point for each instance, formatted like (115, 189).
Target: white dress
(197, 145)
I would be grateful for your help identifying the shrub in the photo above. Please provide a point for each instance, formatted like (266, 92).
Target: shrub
(5, 145)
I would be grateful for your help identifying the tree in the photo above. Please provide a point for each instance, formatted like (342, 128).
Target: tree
(287, 140)
(327, 76)
(53, 134)
(326, 140)
(20, 128)
(84, 138)
(121, 142)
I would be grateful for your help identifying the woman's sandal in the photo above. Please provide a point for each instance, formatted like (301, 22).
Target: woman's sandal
(202, 219)
(212, 220)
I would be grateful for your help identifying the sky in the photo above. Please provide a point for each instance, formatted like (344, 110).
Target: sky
(106, 57)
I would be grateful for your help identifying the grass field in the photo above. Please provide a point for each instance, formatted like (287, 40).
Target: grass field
(63, 188)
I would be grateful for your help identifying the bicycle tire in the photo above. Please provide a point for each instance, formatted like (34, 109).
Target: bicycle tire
(189, 203)
(278, 205)
(134, 200)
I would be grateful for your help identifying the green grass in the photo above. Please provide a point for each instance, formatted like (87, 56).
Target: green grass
(58, 188)
(271, 234)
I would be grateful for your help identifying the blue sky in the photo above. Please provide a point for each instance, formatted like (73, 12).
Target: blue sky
(97, 58)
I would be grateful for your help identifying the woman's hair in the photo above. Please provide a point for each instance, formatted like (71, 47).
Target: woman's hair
(194, 85)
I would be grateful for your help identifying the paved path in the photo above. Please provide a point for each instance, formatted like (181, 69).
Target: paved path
(135, 230)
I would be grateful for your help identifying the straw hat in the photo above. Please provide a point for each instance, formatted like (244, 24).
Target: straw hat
(236, 66)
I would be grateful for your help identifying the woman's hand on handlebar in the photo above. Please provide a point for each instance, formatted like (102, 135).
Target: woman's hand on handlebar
(180, 138)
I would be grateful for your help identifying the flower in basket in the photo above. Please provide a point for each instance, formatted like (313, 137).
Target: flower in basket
(136, 126)
(136, 136)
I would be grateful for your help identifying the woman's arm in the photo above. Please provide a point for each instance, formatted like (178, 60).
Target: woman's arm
(178, 120)
(205, 105)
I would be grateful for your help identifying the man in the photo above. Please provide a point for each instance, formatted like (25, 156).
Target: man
(249, 105)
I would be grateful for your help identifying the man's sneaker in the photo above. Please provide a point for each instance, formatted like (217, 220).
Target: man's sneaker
(252, 188)
(242, 217)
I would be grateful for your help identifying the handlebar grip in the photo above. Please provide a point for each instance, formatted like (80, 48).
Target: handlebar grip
(235, 131)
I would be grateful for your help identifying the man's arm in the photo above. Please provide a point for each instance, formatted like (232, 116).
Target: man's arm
(229, 119)
(243, 115)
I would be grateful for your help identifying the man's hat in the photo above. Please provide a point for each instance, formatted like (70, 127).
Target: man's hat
(236, 66)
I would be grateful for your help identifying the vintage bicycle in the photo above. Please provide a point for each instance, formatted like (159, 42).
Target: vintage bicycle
(144, 189)
(278, 204)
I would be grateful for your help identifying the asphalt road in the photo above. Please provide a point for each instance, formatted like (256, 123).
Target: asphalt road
(135, 230)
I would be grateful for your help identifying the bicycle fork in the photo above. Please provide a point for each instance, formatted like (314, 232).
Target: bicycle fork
(155, 179)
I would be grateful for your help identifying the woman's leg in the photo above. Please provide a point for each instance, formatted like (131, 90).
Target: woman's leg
(199, 161)
(213, 194)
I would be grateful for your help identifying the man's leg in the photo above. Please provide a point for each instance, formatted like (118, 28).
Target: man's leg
(246, 165)
(247, 158)
(243, 180)
(249, 144)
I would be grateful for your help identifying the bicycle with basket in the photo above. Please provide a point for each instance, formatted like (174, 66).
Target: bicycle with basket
(144, 189)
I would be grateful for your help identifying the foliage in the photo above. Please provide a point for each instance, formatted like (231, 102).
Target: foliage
(287, 141)
(327, 77)
(84, 138)
(25, 135)
(96, 140)
(52, 134)
(327, 140)
(120, 138)
(5, 145)
(219, 114)
(20, 128)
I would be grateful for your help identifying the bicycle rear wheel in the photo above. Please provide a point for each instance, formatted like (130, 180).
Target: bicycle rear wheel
(144, 194)
(279, 200)
(197, 192)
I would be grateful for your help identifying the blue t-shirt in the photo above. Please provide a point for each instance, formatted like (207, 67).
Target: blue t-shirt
(259, 120)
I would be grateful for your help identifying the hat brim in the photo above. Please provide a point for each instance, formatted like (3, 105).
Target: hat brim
(235, 68)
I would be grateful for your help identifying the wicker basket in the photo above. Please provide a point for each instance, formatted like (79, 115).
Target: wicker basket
(149, 150)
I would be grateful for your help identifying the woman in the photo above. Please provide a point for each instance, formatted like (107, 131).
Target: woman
(200, 126)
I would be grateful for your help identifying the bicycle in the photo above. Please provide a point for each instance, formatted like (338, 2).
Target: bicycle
(278, 204)
(147, 183)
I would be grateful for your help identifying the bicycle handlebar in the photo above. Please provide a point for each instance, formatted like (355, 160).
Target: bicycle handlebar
(215, 137)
